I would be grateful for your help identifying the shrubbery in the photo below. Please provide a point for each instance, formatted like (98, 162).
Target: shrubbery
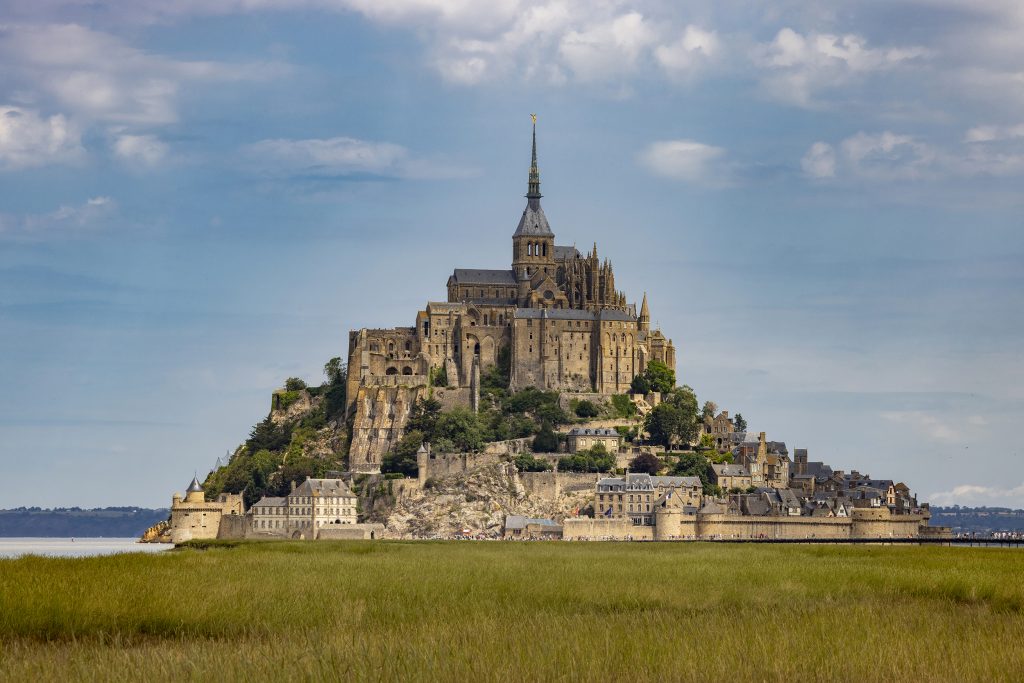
(596, 459)
(526, 462)
(586, 408)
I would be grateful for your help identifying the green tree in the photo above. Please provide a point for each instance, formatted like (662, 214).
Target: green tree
(335, 371)
(423, 417)
(661, 377)
(685, 400)
(709, 410)
(402, 459)
(294, 384)
(664, 424)
(645, 462)
(739, 424)
(266, 435)
(596, 459)
(695, 465)
(640, 385)
(526, 462)
(460, 428)
(586, 408)
(546, 440)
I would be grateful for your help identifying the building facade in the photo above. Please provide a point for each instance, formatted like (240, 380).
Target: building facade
(554, 313)
(311, 506)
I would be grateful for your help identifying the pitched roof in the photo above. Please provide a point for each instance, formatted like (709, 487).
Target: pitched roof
(690, 482)
(583, 431)
(270, 501)
(474, 276)
(730, 470)
(565, 253)
(322, 487)
(533, 222)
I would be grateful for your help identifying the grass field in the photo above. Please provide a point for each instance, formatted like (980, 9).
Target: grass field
(517, 612)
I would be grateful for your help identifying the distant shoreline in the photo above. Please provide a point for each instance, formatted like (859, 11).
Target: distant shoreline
(108, 522)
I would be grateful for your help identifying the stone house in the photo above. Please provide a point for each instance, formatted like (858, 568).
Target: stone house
(309, 507)
(635, 495)
(728, 476)
(581, 438)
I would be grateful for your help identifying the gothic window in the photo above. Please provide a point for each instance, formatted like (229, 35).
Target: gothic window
(408, 346)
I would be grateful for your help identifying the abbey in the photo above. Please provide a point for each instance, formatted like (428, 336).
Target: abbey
(555, 312)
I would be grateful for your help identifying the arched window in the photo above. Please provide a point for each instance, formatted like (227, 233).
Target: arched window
(408, 346)
(391, 371)
(545, 248)
(476, 349)
(406, 370)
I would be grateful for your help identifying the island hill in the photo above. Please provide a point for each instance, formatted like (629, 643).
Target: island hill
(534, 402)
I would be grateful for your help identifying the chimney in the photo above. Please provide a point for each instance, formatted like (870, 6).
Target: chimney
(293, 484)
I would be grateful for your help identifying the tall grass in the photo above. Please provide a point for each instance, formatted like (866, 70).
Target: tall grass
(516, 612)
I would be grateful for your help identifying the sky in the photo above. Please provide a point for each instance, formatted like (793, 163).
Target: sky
(825, 206)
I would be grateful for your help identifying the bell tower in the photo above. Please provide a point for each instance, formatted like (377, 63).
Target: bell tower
(533, 243)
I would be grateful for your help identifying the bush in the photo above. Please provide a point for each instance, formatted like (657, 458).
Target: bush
(294, 384)
(587, 408)
(284, 399)
(597, 459)
(546, 440)
(402, 460)
(525, 462)
(647, 463)
(439, 376)
(623, 406)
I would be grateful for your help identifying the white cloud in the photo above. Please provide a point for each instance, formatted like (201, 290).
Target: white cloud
(66, 220)
(686, 160)
(28, 139)
(994, 133)
(345, 156)
(888, 156)
(972, 495)
(820, 161)
(693, 49)
(140, 150)
(607, 49)
(97, 76)
(796, 65)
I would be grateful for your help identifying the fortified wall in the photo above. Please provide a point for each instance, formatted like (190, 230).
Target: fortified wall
(674, 525)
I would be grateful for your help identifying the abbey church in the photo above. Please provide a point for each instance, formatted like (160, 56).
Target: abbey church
(556, 312)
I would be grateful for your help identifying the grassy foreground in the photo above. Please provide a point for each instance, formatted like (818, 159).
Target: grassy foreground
(516, 612)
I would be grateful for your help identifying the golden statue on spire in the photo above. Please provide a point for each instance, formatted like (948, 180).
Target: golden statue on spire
(534, 117)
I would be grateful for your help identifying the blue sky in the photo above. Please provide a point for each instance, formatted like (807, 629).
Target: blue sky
(198, 200)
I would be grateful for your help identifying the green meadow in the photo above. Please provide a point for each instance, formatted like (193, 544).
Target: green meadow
(479, 611)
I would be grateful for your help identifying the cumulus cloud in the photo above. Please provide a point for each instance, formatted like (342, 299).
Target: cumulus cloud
(889, 156)
(686, 160)
(796, 66)
(97, 77)
(28, 139)
(344, 156)
(140, 150)
(694, 48)
(607, 49)
(976, 495)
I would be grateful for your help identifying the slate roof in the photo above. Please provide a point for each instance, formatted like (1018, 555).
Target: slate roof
(533, 222)
(729, 470)
(690, 482)
(322, 487)
(582, 431)
(195, 486)
(474, 276)
(565, 253)
(554, 313)
(270, 501)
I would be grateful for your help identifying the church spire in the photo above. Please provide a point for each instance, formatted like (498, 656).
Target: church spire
(644, 320)
(533, 187)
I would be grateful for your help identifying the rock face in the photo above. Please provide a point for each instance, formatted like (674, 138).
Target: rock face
(478, 500)
(158, 533)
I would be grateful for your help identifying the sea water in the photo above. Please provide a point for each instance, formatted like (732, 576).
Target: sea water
(76, 547)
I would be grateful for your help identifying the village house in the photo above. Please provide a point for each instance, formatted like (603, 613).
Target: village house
(729, 476)
(634, 495)
(309, 507)
(581, 438)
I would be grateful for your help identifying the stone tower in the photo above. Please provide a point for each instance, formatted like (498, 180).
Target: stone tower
(533, 243)
(643, 322)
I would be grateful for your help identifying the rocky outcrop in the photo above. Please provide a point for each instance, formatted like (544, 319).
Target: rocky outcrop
(477, 500)
(158, 533)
